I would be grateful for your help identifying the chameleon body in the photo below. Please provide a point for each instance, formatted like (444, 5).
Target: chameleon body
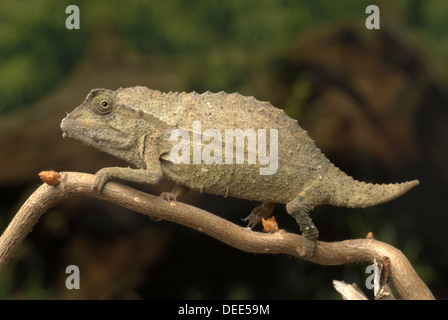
(135, 124)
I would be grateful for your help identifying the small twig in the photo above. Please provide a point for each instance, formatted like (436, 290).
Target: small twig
(349, 291)
(385, 292)
(403, 276)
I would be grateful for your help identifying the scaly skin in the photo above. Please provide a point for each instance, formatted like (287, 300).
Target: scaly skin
(134, 124)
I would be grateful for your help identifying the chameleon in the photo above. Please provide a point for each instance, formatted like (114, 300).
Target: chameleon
(136, 124)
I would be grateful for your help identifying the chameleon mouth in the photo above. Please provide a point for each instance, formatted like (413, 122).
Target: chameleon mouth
(87, 131)
(65, 127)
(69, 128)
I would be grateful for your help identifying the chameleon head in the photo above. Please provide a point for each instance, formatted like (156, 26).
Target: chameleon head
(100, 121)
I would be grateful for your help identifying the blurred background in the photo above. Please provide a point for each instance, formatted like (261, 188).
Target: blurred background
(375, 102)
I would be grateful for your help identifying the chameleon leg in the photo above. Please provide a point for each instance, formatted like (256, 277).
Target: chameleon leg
(177, 191)
(299, 209)
(263, 211)
(129, 174)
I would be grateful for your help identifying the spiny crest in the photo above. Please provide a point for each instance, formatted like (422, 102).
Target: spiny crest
(94, 92)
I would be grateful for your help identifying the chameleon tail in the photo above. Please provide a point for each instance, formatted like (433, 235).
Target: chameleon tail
(357, 194)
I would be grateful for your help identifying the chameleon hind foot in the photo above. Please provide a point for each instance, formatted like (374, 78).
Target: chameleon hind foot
(309, 246)
(299, 209)
(263, 211)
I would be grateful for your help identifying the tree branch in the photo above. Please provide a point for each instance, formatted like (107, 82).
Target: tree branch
(404, 278)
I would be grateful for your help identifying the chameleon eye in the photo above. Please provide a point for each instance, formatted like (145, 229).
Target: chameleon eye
(101, 104)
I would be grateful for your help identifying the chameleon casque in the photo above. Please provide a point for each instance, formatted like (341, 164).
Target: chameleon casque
(135, 124)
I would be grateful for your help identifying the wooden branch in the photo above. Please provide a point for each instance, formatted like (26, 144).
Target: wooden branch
(404, 278)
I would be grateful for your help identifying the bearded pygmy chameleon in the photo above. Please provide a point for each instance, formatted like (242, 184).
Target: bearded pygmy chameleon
(136, 124)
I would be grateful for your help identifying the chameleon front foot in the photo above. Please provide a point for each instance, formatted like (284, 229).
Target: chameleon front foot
(168, 196)
(101, 177)
(127, 174)
(178, 190)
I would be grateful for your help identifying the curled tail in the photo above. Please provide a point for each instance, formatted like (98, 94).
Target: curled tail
(356, 194)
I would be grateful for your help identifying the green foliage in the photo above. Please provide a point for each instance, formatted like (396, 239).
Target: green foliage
(217, 44)
(35, 50)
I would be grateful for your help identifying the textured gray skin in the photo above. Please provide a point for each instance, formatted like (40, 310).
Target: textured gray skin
(134, 124)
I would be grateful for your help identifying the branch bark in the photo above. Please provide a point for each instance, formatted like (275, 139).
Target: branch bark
(404, 277)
